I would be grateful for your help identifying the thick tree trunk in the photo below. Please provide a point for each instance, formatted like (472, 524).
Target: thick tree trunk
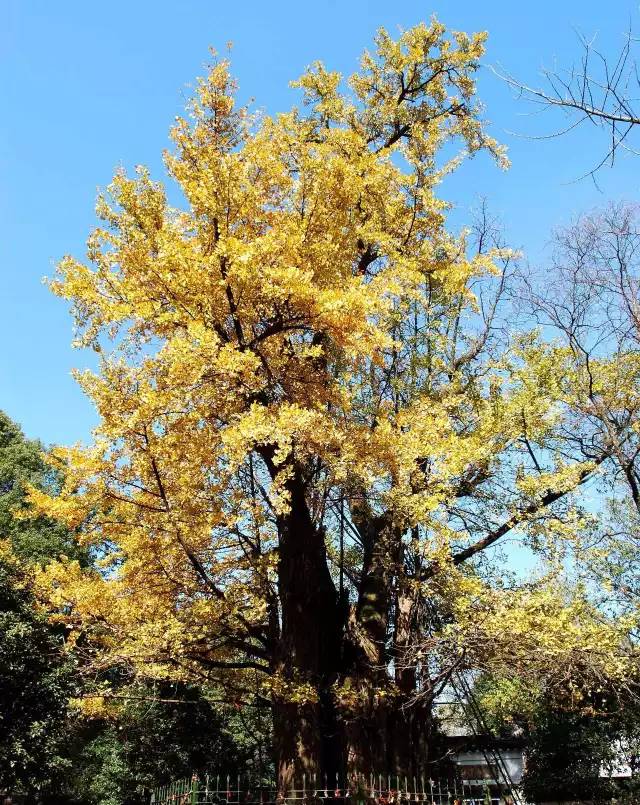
(389, 737)
(308, 654)
(317, 731)
(306, 741)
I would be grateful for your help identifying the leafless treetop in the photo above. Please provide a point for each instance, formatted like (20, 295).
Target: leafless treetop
(600, 90)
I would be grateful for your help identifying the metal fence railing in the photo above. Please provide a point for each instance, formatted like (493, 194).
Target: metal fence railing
(370, 790)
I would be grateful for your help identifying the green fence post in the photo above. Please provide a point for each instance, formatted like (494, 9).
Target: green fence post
(194, 790)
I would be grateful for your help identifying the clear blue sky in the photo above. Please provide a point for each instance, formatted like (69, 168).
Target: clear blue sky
(89, 86)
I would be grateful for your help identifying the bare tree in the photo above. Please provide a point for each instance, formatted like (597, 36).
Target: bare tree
(598, 90)
(588, 305)
(590, 299)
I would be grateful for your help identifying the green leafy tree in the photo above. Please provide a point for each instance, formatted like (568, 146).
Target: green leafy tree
(37, 676)
(571, 753)
(35, 685)
(33, 538)
(576, 739)
(159, 733)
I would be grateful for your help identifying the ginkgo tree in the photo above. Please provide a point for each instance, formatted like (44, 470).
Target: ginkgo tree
(313, 419)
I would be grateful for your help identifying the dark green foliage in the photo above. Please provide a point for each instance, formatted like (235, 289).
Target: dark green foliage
(563, 762)
(35, 683)
(34, 539)
(568, 751)
(158, 732)
(575, 744)
(162, 732)
(36, 676)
